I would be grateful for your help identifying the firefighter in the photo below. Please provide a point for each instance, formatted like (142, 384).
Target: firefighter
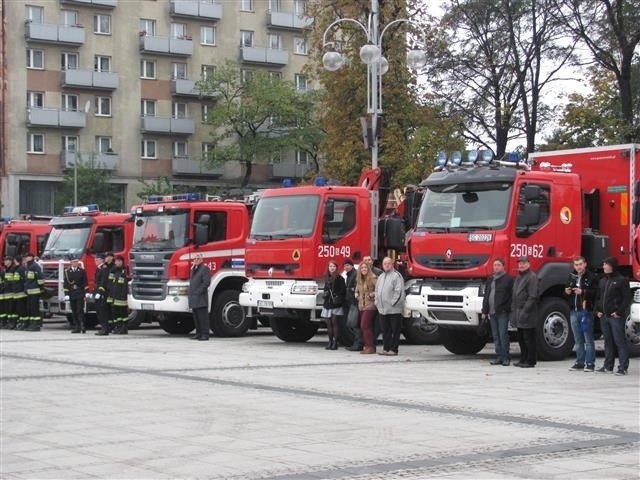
(101, 282)
(76, 287)
(33, 285)
(3, 297)
(117, 289)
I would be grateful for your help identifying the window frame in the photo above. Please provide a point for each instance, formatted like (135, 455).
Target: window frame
(97, 63)
(98, 103)
(247, 35)
(203, 36)
(99, 145)
(97, 24)
(175, 67)
(174, 148)
(30, 9)
(300, 41)
(148, 26)
(144, 150)
(63, 14)
(35, 95)
(66, 98)
(64, 143)
(30, 58)
(274, 36)
(30, 143)
(297, 79)
(176, 107)
(64, 60)
(246, 6)
(144, 63)
(144, 110)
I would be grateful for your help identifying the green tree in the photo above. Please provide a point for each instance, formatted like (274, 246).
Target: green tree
(256, 117)
(159, 186)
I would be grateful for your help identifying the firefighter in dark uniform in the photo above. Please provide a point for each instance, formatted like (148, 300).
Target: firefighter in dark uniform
(33, 287)
(117, 290)
(103, 311)
(19, 294)
(3, 297)
(76, 287)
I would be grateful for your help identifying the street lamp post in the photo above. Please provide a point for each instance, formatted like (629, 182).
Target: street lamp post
(377, 65)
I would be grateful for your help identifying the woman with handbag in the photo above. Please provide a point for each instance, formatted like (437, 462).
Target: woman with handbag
(366, 295)
(335, 290)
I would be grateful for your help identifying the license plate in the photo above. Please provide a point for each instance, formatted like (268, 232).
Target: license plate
(265, 303)
(147, 306)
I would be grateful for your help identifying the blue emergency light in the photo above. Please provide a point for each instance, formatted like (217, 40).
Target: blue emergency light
(472, 156)
(178, 197)
(456, 158)
(441, 159)
(514, 157)
(320, 181)
(487, 156)
(287, 182)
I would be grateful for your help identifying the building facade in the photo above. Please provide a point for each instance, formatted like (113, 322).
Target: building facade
(112, 83)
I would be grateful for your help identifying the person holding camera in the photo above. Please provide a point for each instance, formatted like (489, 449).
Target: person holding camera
(335, 290)
(581, 292)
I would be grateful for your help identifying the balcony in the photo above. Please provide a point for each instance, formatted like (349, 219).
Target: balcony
(168, 125)
(97, 160)
(91, 3)
(52, 33)
(185, 88)
(166, 45)
(264, 55)
(55, 118)
(186, 165)
(289, 170)
(288, 20)
(207, 10)
(89, 79)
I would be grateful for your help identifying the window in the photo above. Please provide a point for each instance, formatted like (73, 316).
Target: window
(35, 58)
(148, 149)
(179, 110)
(274, 41)
(302, 158)
(208, 35)
(69, 143)
(148, 108)
(300, 7)
(217, 225)
(275, 75)
(301, 83)
(69, 103)
(208, 152)
(34, 14)
(35, 99)
(68, 61)
(103, 106)
(274, 5)
(207, 71)
(35, 143)
(112, 238)
(246, 5)
(102, 63)
(178, 71)
(180, 149)
(205, 112)
(102, 24)
(103, 144)
(178, 30)
(147, 69)
(300, 45)
(68, 17)
(246, 38)
(147, 27)
(245, 75)
(533, 208)
(343, 220)
(37, 198)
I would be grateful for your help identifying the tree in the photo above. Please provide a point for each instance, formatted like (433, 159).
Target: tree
(255, 116)
(159, 186)
(611, 32)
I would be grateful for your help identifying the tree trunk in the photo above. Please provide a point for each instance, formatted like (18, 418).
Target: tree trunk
(248, 165)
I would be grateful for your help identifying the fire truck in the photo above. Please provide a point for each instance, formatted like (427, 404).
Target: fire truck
(22, 236)
(169, 231)
(553, 207)
(295, 232)
(82, 232)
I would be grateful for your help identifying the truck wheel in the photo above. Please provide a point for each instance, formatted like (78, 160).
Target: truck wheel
(227, 316)
(461, 342)
(632, 332)
(293, 329)
(176, 324)
(553, 335)
(419, 331)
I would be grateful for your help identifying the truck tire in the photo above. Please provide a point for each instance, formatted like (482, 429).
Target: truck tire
(632, 333)
(227, 317)
(461, 342)
(420, 332)
(293, 329)
(176, 324)
(553, 334)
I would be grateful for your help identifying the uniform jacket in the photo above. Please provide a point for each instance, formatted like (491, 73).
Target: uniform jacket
(199, 287)
(117, 287)
(101, 282)
(335, 291)
(524, 304)
(503, 294)
(390, 293)
(614, 295)
(14, 282)
(589, 286)
(34, 281)
(75, 283)
(365, 302)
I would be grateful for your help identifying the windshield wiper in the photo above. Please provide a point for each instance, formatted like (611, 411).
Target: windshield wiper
(262, 236)
(435, 229)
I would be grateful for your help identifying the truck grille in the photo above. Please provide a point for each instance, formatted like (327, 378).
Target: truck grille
(445, 298)
(149, 275)
(458, 262)
(449, 315)
(274, 283)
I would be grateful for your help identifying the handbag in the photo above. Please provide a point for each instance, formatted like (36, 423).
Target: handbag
(353, 317)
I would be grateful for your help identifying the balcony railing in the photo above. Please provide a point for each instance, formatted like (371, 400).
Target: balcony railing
(56, 118)
(288, 20)
(52, 33)
(90, 79)
(166, 45)
(187, 165)
(269, 56)
(196, 9)
(97, 160)
(168, 125)
(289, 170)
(92, 3)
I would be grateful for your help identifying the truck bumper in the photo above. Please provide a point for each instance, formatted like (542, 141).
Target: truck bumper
(177, 300)
(456, 308)
(275, 297)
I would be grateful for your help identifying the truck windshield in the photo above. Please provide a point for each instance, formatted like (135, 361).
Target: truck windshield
(463, 207)
(284, 217)
(67, 242)
(161, 231)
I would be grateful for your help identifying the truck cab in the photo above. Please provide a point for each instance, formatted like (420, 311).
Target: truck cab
(22, 236)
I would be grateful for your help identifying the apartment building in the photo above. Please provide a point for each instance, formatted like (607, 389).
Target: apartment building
(112, 82)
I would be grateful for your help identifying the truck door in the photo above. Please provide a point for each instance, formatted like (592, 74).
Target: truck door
(341, 234)
(534, 236)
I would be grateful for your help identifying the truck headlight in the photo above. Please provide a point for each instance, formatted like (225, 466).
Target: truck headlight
(304, 289)
(413, 287)
(245, 287)
(177, 291)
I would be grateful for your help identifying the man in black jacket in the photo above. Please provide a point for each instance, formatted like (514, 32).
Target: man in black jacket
(350, 299)
(496, 306)
(101, 284)
(524, 309)
(199, 297)
(581, 292)
(612, 305)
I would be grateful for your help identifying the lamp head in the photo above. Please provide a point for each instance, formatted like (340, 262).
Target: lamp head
(332, 61)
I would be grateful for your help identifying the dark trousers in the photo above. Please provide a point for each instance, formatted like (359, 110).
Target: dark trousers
(527, 341)
(103, 312)
(77, 312)
(201, 319)
(614, 339)
(390, 325)
(20, 309)
(33, 309)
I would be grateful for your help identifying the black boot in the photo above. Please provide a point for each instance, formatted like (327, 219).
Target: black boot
(330, 344)
(12, 324)
(334, 345)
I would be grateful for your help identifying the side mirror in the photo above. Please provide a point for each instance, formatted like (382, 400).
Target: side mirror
(529, 216)
(531, 192)
(204, 219)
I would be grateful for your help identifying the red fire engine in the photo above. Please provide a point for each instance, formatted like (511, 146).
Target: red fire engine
(82, 232)
(294, 233)
(169, 231)
(22, 236)
(558, 205)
